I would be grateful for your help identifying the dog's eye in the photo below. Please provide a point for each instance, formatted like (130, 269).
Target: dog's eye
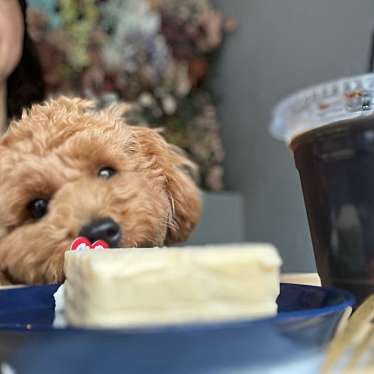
(106, 172)
(37, 208)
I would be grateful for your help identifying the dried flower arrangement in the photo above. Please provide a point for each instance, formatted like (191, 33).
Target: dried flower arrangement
(155, 54)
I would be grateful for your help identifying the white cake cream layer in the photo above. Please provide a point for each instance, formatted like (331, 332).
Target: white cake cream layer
(135, 287)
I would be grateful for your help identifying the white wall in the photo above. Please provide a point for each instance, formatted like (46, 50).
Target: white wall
(280, 46)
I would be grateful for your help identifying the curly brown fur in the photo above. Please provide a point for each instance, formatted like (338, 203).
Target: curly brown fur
(54, 152)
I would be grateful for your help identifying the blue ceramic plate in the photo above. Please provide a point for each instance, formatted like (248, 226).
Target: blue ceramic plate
(305, 322)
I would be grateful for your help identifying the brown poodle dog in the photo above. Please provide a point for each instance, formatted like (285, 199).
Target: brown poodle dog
(68, 170)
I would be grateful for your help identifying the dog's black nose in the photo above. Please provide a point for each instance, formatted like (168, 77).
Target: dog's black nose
(102, 229)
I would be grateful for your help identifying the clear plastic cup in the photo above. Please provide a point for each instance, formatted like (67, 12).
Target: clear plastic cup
(330, 130)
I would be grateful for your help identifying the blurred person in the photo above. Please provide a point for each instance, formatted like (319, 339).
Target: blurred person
(21, 81)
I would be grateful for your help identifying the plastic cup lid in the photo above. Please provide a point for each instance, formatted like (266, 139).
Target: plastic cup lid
(323, 105)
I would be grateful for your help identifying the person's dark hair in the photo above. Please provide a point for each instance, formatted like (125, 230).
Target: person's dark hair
(25, 85)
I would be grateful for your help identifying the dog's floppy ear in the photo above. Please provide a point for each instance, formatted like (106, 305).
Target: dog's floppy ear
(184, 198)
(177, 171)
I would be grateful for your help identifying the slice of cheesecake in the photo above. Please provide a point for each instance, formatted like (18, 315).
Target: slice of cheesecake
(135, 287)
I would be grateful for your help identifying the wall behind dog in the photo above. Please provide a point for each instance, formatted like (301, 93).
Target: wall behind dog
(279, 47)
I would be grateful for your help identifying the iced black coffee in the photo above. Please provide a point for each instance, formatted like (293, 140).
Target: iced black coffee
(330, 130)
